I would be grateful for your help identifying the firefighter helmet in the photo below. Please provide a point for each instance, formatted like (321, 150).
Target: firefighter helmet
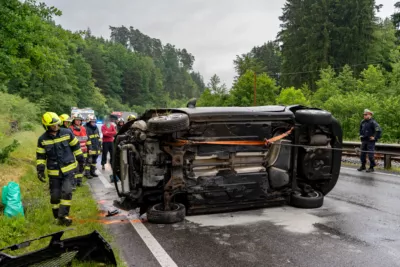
(120, 120)
(131, 117)
(65, 117)
(77, 117)
(50, 119)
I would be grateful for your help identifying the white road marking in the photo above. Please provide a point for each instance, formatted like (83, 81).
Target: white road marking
(152, 244)
(156, 249)
(104, 181)
(381, 173)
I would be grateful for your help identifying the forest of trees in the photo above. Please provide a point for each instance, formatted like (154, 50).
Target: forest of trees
(336, 55)
(58, 69)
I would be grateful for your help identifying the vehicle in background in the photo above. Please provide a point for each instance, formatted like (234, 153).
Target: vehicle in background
(84, 112)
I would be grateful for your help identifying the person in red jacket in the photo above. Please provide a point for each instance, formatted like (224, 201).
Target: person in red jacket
(109, 131)
(80, 132)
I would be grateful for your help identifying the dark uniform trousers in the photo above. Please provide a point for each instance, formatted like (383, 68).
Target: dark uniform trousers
(61, 193)
(95, 142)
(107, 147)
(370, 147)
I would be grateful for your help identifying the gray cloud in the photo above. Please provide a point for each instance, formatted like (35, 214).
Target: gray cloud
(213, 31)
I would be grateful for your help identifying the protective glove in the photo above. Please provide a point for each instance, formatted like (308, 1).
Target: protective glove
(42, 177)
(81, 167)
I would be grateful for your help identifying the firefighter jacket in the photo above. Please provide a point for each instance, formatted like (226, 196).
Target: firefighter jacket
(58, 152)
(94, 138)
(80, 133)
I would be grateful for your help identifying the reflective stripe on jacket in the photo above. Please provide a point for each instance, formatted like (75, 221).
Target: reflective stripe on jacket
(94, 138)
(58, 152)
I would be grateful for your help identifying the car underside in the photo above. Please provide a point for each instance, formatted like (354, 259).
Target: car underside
(177, 162)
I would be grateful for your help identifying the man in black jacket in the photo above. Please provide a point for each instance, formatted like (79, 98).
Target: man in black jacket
(57, 150)
(370, 132)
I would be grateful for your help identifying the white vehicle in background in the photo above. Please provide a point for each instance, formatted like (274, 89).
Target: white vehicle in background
(84, 112)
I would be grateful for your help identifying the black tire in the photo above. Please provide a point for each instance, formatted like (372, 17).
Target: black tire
(157, 214)
(311, 200)
(313, 116)
(169, 123)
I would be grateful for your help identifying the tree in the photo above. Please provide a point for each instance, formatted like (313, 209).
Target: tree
(291, 96)
(385, 36)
(198, 79)
(215, 85)
(268, 56)
(327, 85)
(318, 34)
(373, 81)
(396, 19)
(242, 93)
(247, 62)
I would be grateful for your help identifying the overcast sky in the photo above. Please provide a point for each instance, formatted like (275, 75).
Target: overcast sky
(214, 31)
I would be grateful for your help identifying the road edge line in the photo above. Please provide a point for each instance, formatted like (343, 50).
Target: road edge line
(155, 248)
(104, 181)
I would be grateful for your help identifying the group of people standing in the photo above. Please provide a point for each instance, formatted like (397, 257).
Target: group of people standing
(67, 151)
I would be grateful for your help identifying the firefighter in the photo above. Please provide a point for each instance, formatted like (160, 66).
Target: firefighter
(94, 137)
(65, 121)
(80, 132)
(120, 123)
(57, 149)
(131, 117)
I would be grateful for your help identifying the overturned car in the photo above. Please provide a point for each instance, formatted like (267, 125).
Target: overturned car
(182, 161)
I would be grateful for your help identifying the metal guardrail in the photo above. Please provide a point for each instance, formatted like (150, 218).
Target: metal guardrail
(388, 151)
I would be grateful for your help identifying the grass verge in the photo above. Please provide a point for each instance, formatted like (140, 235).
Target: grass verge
(38, 220)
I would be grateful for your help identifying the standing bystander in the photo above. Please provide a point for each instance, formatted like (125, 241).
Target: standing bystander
(370, 133)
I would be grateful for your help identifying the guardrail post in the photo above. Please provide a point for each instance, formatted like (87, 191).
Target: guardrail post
(387, 161)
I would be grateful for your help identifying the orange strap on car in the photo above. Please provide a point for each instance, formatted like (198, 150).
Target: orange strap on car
(181, 142)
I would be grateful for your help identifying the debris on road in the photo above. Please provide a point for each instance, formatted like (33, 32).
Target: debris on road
(88, 248)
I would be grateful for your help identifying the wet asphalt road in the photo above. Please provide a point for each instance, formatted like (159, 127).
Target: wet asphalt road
(357, 226)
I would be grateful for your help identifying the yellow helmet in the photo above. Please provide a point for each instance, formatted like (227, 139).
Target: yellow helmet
(131, 117)
(65, 117)
(50, 119)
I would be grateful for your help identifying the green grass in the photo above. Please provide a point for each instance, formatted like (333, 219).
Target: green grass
(38, 220)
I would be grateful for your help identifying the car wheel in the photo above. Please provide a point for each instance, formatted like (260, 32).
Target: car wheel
(311, 200)
(313, 116)
(157, 214)
(169, 123)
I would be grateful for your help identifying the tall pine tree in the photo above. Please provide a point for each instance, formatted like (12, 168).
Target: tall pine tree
(316, 34)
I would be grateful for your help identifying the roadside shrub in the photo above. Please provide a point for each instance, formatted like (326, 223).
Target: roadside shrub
(28, 126)
(6, 151)
(18, 109)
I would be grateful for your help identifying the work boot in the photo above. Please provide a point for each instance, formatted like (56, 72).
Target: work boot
(94, 174)
(64, 221)
(102, 167)
(55, 213)
(371, 169)
(362, 168)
